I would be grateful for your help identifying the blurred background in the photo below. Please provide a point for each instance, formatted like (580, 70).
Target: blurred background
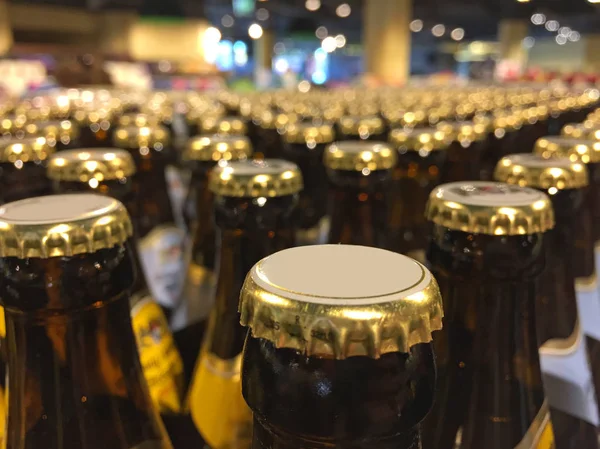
(249, 44)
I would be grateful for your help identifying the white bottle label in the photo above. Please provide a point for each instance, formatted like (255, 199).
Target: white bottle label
(176, 185)
(161, 254)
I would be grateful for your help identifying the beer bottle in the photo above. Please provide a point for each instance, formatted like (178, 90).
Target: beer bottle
(160, 241)
(361, 128)
(201, 155)
(556, 305)
(338, 353)
(421, 161)
(95, 125)
(254, 204)
(360, 176)
(304, 144)
(269, 128)
(74, 376)
(486, 252)
(109, 172)
(23, 168)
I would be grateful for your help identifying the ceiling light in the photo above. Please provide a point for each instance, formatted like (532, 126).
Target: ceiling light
(321, 32)
(343, 10)
(457, 34)
(255, 31)
(528, 42)
(564, 31)
(574, 36)
(329, 44)
(594, 1)
(438, 30)
(416, 25)
(227, 21)
(523, 1)
(312, 5)
(538, 19)
(561, 40)
(262, 14)
(340, 40)
(552, 25)
(212, 34)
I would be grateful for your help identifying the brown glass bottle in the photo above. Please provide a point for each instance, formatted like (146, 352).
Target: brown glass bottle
(254, 207)
(160, 241)
(556, 306)
(74, 376)
(23, 168)
(329, 360)
(361, 128)
(487, 251)
(200, 156)
(95, 125)
(360, 178)
(421, 161)
(501, 141)
(269, 128)
(304, 144)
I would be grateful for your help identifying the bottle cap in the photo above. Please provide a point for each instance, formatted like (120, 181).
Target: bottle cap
(361, 126)
(156, 137)
(29, 149)
(223, 125)
(490, 208)
(103, 164)
(358, 156)
(62, 225)
(345, 301)
(308, 133)
(417, 139)
(586, 151)
(99, 116)
(257, 178)
(268, 119)
(465, 131)
(585, 130)
(12, 123)
(216, 148)
(54, 130)
(139, 120)
(532, 170)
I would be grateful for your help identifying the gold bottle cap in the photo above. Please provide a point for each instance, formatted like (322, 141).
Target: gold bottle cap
(29, 149)
(360, 156)
(105, 164)
(586, 130)
(203, 109)
(532, 170)
(223, 125)
(100, 116)
(308, 133)
(361, 126)
(12, 123)
(157, 137)
(217, 148)
(345, 301)
(490, 208)
(138, 119)
(586, 151)
(257, 178)
(418, 139)
(465, 131)
(268, 119)
(62, 225)
(54, 130)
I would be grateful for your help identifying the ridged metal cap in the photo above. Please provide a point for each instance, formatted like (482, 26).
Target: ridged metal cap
(62, 225)
(268, 119)
(9, 124)
(358, 156)
(490, 208)
(29, 149)
(257, 178)
(585, 131)
(532, 170)
(308, 133)
(217, 148)
(361, 126)
(465, 131)
(345, 301)
(139, 120)
(55, 130)
(417, 139)
(586, 151)
(156, 137)
(223, 125)
(101, 116)
(102, 164)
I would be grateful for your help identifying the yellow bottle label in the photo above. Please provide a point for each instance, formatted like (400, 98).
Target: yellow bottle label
(2, 323)
(540, 434)
(216, 403)
(3, 407)
(160, 359)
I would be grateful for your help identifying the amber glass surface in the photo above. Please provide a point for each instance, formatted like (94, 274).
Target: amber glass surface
(489, 382)
(21, 183)
(74, 376)
(309, 402)
(359, 207)
(464, 161)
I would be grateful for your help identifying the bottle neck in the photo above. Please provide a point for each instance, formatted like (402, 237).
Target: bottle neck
(594, 197)
(246, 233)
(74, 377)
(488, 350)
(20, 183)
(358, 207)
